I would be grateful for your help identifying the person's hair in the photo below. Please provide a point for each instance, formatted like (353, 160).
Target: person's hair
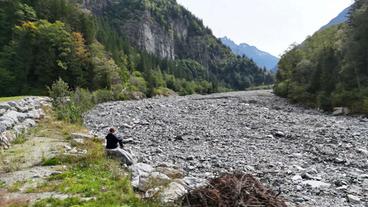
(111, 130)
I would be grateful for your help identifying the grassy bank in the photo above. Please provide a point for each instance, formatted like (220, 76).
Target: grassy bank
(14, 98)
(87, 178)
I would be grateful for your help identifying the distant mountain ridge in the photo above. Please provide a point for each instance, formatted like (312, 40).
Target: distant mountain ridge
(341, 18)
(261, 58)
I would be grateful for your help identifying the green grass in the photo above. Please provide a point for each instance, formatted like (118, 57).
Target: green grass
(14, 98)
(2, 184)
(89, 176)
(15, 187)
(261, 87)
(90, 180)
(20, 138)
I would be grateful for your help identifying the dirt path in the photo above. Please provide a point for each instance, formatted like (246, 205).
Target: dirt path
(20, 166)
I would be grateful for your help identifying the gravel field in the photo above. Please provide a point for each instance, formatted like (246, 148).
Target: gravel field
(312, 158)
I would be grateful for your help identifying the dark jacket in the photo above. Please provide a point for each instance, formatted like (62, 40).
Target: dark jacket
(112, 141)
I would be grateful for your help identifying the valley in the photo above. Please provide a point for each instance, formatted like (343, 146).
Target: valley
(313, 158)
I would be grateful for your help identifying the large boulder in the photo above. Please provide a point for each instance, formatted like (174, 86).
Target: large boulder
(36, 114)
(5, 106)
(15, 116)
(6, 138)
(155, 179)
(122, 155)
(338, 111)
(173, 193)
(140, 171)
(191, 183)
(3, 111)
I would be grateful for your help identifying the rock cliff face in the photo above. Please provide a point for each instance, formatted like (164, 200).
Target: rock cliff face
(140, 26)
(162, 28)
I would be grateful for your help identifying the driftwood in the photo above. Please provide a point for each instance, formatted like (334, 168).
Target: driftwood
(234, 190)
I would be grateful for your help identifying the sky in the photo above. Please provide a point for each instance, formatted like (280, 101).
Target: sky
(270, 25)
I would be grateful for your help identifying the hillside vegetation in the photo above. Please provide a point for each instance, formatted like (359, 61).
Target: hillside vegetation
(130, 46)
(330, 68)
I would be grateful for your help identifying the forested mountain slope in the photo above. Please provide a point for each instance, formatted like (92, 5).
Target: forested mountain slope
(130, 46)
(330, 68)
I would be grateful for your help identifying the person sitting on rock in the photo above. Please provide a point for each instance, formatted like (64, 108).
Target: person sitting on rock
(112, 140)
(113, 150)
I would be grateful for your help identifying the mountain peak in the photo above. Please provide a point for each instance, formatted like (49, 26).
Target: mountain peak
(261, 58)
(340, 18)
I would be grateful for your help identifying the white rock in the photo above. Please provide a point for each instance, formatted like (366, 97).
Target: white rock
(29, 123)
(5, 106)
(8, 136)
(153, 180)
(353, 199)
(6, 123)
(194, 183)
(160, 176)
(152, 192)
(81, 136)
(35, 114)
(20, 128)
(280, 134)
(316, 184)
(362, 151)
(296, 178)
(141, 169)
(173, 193)
(15, 116)
(340, 111)
(2, 111)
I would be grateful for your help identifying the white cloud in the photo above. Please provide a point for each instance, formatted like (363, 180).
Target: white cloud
(271, 25)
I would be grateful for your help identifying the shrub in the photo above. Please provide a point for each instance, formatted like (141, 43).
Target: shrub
(83, 99)
(59, 92)
(103, 95)
(119, 92)
(69, 112)
(281, 89)
(162, 91)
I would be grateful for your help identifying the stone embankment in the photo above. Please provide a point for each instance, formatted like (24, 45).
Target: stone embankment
(311, 157)
(16, 117)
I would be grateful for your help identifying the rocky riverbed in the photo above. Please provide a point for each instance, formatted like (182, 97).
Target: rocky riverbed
(313, 158)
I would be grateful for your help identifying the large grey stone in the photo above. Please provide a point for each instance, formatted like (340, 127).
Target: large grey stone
(354, 199)
(29, 123)
(2, 111)
(141, 169)
(316, 184)
(192, 183)
(155, 179)
(340, 111)
(173, 193)
(122, 155)
(5, 106)
(35, 114)
(7, 137)
(15, 116)
(7, 122)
